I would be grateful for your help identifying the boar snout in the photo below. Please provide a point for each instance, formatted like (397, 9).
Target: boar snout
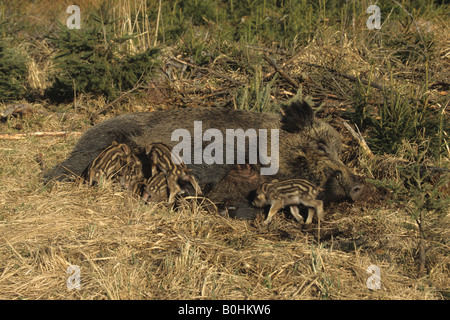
(356, 191)
(351, 185)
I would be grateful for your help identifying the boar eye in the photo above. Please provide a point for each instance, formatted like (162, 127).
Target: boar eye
(323, 148)
(338, 175)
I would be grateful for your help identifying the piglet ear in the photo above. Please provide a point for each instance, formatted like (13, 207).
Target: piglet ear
(297, 116)
(126, 149)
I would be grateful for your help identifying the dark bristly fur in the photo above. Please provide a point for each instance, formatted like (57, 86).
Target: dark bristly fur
(233, 193)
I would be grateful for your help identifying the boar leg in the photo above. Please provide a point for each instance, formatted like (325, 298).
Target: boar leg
(313, 205)
(319, 209)
(194, 183)
(173, 187)
(296, 213)
(310, 215)
(277, 205)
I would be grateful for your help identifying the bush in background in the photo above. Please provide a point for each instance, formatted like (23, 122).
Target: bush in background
(93, 60)
(13, 73)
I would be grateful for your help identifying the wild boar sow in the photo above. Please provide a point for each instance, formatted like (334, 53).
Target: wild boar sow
(211, 140)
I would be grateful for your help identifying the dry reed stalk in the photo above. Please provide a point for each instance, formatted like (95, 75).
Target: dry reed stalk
(157, 24)
(124, 12)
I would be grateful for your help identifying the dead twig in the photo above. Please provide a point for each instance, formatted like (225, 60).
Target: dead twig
(283, 73)
(358, 136)
(215, 73)
(18, 136)
(346, 76)
(157, 24)
(94, 115)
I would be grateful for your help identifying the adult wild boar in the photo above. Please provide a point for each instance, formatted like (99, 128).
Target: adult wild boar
(308, 148)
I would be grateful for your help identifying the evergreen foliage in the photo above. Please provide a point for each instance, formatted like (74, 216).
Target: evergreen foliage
(94, 60)
(13, 73)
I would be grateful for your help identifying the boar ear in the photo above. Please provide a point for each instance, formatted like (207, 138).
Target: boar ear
(297, 116)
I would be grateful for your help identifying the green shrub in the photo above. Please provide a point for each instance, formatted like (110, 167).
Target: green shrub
(256, 96)
(420, 191)
(402, 118)
(93, 60)
(13, 73)
(199, 11)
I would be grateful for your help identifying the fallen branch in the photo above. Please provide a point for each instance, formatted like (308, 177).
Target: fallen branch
(18, 136)
(358, 136)
(95, 115)
(287, 77)
(346, 76)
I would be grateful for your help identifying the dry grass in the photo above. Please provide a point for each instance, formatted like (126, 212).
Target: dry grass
(128, 250)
